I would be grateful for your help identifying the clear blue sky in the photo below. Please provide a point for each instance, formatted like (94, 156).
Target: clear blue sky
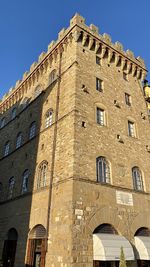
(28, 26)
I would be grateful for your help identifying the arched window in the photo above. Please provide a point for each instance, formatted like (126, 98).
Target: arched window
(32, 130)
(42, 172)
(103, 170)
(37, 91)
(19, 140)
(13, 114)
(3, 122)
(11, 187)
(52, 76)
(25, 179)
(48, 118)
(137, 179)
(6, 148)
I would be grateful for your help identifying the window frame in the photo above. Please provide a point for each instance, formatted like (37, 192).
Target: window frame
(131, 129)
(99, 85)
(137, 179)
(52, 76)
(7, 148)
(19, 140)
(100, 116)
(98, 60)
(128, 99)
(3, 122)
(32, 130)
(42, 175)
(11, 186)
(103, 170)
(14, 113)
(25, 181)
(48, 118)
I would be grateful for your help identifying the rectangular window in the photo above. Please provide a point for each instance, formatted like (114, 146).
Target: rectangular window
(100, 116)
(125, 76)
(98, 60)
(131, 129)
(127, 99)
(99, 85)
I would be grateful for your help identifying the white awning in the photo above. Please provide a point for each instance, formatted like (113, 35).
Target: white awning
(107, 247)
(142, 245)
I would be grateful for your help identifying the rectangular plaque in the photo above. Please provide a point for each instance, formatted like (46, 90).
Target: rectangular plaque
(124, 198)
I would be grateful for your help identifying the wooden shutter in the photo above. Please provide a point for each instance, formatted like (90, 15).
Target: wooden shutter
(43, 252)
(30, 253)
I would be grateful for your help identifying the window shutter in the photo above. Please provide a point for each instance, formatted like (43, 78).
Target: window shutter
(43, 252)
(30, 253)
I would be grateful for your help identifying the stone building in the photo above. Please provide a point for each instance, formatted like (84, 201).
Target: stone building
(74, 156)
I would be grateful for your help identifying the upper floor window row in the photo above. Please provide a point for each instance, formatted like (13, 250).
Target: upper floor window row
(13, 116)
(100, 88)
(19, 139)
(103, 174)
(101, 120)
(12, 186)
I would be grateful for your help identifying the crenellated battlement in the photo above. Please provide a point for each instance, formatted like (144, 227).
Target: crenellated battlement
(88, 36)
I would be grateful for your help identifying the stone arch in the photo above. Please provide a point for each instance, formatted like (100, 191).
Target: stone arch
(37, 232)
(143, 231)
(36, 246)
(142, 220)
(106, 215)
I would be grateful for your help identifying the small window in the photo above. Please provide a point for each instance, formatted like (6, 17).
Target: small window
(25, 179)
(100, 116)
(11, 187)
(103, 170)
(19, 140)
(125, 76)
(52, 76)
(6, 148)
(99, 85)
(98, 60)
(127, 99)
(42, 173)
(32, 130)
(48, 118)
(14, 112)
(137, 179)
(25, 102)
(131, 129)
(3, 122)
(37, 91)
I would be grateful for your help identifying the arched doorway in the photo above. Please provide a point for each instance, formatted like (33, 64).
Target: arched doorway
(9, 249)
(107, 245)
(142, 247)
(36, 249)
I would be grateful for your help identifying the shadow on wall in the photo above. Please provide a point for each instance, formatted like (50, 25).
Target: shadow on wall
(19, 144)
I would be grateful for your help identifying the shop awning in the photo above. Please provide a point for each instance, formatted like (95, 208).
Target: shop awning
(107, 247)
(142, 245)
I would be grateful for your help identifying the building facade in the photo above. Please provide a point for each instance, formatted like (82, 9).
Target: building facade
(74, 156)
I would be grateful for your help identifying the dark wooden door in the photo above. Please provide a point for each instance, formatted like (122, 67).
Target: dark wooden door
(9, 252)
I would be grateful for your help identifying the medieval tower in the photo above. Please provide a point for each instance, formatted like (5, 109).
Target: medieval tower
(74, 156)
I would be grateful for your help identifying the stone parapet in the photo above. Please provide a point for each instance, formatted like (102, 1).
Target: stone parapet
(89, 37)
